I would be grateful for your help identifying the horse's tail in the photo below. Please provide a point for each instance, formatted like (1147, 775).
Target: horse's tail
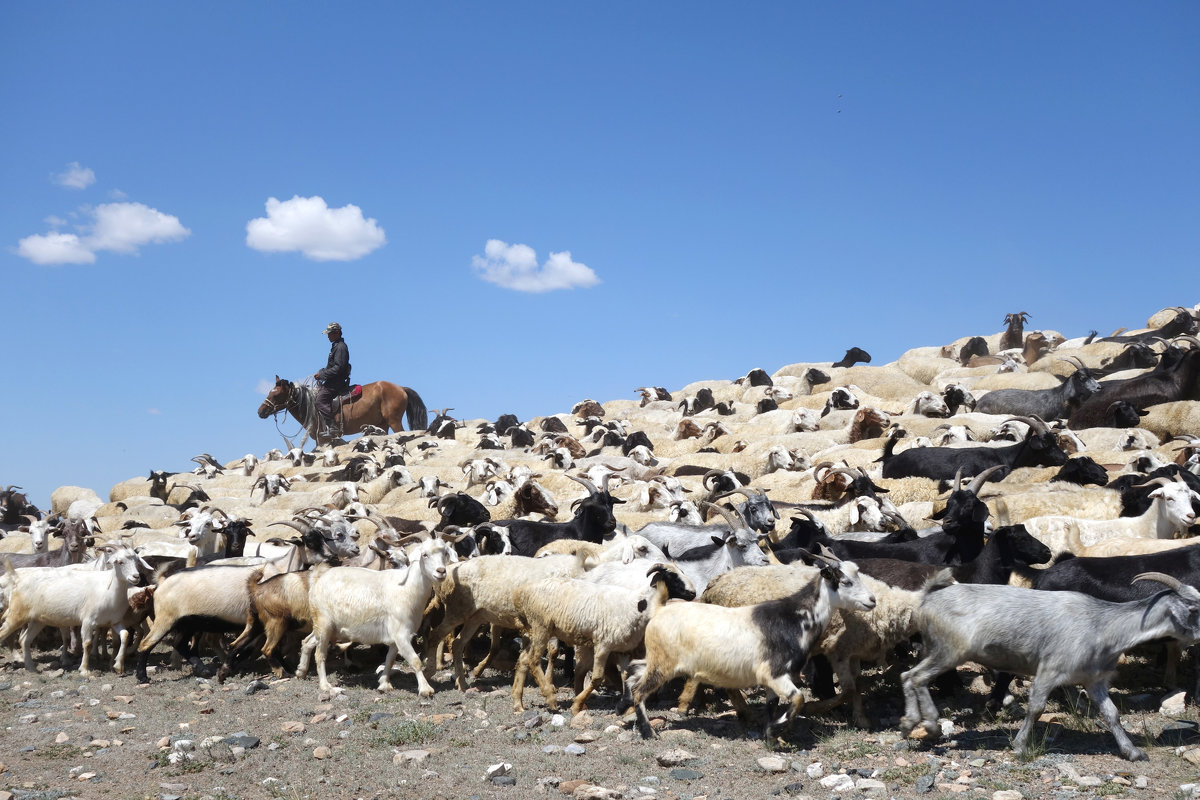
(418, 417)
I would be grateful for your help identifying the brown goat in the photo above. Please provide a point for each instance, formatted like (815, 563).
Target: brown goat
(868, 423)
(1015, 335)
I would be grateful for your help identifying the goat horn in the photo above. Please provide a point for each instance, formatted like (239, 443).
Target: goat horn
(1159, 481)
(585, 483)
(981, 478)
(734, 517)
(1166, 580)
(295, 524)
(1033, 421)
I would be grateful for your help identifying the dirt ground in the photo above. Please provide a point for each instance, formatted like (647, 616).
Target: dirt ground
(255, 737)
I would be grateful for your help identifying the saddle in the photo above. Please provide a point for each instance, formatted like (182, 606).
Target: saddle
(348, 398)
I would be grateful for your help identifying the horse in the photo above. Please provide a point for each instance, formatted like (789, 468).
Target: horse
(382, 404)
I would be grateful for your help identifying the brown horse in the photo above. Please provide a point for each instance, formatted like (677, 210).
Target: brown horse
(382, 404)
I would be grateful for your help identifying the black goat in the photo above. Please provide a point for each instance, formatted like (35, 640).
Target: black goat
(505, 422)
(520, 436)
(593, 521)
(1039, 449)
(1052, 403)
(459, 509)
(694, 405)
(975, 346)
(756, 377)
(855, 355)
(1008, 548)
(553, 425)
(1177, 377)
(814, 377)
(1182, 324)
(1082, 470)
(634, 440)
(1139, 355)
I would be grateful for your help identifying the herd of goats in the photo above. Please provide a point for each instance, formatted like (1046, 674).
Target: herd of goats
(1020, 501)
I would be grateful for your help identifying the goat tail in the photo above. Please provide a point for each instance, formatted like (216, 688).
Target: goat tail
(418, 417)
(1074, 540)
(939, 580)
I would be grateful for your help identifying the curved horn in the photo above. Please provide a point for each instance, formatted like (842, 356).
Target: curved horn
(294, 524)
(585, 483)
(1158, 577)
(1159, 481)
(734, 518)
(1033, 421)
(982, 477)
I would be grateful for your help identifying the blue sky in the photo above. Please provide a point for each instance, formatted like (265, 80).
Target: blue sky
(671, 192)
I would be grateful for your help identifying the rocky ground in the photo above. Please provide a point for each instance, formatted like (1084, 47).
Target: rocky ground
(187, 737)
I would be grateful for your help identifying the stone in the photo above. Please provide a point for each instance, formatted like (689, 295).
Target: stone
(954, 788)
(815, 770)
(496, 770)
(1007, 794)
(673, 758)
(504, 780)
(256, 686)
(292, 726)
(581, 720)
(569, 787)
(574, 749)
(837, 782)
(379, 716)
(593, 792)
(586, 737)
(85, 776)
(686, 774)
(1192, 756)
(870, 786)
(773, 764)
(552, 749)
(410, 757)
(925, 783)
(322, 752)
(243, 740)
(558, 720)
(62, 738)
(794, 789)
(1172, 705)
(318, 718)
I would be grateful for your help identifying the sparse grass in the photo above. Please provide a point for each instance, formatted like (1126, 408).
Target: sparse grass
(904, 775)
(405, 732)
(65, 750)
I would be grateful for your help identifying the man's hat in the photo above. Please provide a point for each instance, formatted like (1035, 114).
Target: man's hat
(333, 326)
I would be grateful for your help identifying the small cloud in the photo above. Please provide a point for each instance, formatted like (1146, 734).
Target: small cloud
(265, 386)
(116, 227)
(117, 194)
(55, 222)
(515, 267)
(308, 226)
(55, 248)
(75, 176)
(153, 411)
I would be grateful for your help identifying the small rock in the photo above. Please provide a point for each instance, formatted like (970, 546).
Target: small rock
(533, 722)
(62, 738)
(592, 792)
(292, 727)
(870, 786)
(1007, 794)
(1141, 782)
(925, 783)
(552, 749)
(673, 758)
(496, 770)
(686, 774)
(574, 749)
(379, 716)
(27, 719)
(322, 752)
(837, 783)
(581, 720)
(1172, 705)
(85, 776)
(183, 746)
(558, 720)
(256, 686)
(815, 770)
(318, 718)
(1192, 756)
(272, 782)
(586, 737)
(243, 740)
(953, 788)
(773, 764)
(410, 757)
(504, 780)
(569, 787)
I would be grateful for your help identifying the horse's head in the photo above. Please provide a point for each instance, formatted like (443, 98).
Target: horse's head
(277, 399)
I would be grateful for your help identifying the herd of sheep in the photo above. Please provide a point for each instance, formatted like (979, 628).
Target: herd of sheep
(1020, 500)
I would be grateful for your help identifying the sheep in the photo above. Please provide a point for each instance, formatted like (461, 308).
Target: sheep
(598, 620)
(67, 598)
(1056, 637)
(1169, 513)
(479, 591)
(372, 607)
(765, 644)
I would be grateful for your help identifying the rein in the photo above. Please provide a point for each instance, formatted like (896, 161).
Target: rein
(300, 405)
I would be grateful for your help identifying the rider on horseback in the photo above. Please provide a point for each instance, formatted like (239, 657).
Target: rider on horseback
(334, 380)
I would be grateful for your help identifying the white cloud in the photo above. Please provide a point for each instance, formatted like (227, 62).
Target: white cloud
(115, 227)
(264, 386)
(117, 194)
(515, 267)
(307, 225)
(55, 248)
(55, 222)
(124, 227)
(75, 176)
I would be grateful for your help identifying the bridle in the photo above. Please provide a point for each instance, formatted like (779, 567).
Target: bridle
(276, 407)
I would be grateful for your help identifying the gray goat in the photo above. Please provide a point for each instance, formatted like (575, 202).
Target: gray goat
(1059, 638)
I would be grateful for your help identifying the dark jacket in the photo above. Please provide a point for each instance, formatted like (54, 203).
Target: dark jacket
(336, 374)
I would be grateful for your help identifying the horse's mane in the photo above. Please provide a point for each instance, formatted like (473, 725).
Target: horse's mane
(306, 407)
